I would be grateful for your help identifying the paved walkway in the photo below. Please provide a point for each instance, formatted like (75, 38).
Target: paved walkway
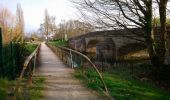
(60, 84)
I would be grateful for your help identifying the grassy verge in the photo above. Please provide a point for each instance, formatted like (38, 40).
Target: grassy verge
(6, 88)
(7, 84)
(4, 85)
(33, 92)
(30, 47)
(121, 88)
(59, 43)
(36, 90)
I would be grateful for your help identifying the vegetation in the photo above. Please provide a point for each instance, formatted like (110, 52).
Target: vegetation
(14, 55)
(59, 43)
(35, 91)
(30, 47)
(13, 51)
(133, 14)
(4, 86)
(12, 25)
(48, 26)
(32, 92)
(122, 88)
(72, 28)
(11, 71)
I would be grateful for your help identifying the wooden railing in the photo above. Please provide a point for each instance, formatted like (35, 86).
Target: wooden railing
(27, 71)
(76, 59)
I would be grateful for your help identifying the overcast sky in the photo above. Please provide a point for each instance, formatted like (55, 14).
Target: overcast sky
(34, 10)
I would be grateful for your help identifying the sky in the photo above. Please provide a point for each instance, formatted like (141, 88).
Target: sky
(34, 11)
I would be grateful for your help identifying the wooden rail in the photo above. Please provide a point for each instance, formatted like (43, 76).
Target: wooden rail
(29, 65)
(70, 51)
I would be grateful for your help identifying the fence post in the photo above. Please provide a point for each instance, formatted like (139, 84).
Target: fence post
(1, 54)
(71, 58)
(30, 67)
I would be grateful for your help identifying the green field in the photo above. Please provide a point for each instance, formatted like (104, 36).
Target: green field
(122, 88)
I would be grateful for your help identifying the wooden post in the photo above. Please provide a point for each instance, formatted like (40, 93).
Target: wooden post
(35, 58)
(30, 67)
(71, 58)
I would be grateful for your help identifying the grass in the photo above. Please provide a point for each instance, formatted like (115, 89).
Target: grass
(36, 90)
(30, 47)
(33, 92)
(59, 43)
(6, 88)
(122, 88)
(4, 85)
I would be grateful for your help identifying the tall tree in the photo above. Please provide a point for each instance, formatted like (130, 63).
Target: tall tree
(6, 23)
(48, 26)
(132, 14)
(19, 28)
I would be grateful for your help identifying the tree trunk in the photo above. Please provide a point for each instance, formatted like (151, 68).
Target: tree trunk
(150, 40)
(157, 41)
(163, 33)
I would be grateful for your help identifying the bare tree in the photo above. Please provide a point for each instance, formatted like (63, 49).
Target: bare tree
(48, 26)
(73, 28)
(19, 27)
(129, 14)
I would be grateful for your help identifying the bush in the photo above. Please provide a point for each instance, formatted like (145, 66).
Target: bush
(14, 55)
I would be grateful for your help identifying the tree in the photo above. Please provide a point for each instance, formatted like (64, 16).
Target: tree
(7, 23)
(48, 26)
(19, 27)
(129, 14)
(72, 28)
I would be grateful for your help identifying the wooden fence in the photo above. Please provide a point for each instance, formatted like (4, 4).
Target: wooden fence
(27, 71)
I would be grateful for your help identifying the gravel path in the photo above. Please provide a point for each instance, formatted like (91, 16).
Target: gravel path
(60, 84)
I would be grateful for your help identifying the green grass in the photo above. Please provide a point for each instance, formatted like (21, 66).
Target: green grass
(59, 43)
(33, 92)
(4, 83)
(36, 90)
(6, 87)
(30, 47)
(122, 88)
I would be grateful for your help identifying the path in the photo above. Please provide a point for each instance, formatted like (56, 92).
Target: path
(60, 84)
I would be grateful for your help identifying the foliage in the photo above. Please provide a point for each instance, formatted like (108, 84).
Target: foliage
(48, 26)
(32, 92)
(14, 55)
(4, 88)
(13, 28)
(123, 88)
(72, 28)
(30, 48)
(127, 14)
(156, 21)
(35, 91)
(59, 43)
(6, 21)
(1, 53)
(19, 27)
